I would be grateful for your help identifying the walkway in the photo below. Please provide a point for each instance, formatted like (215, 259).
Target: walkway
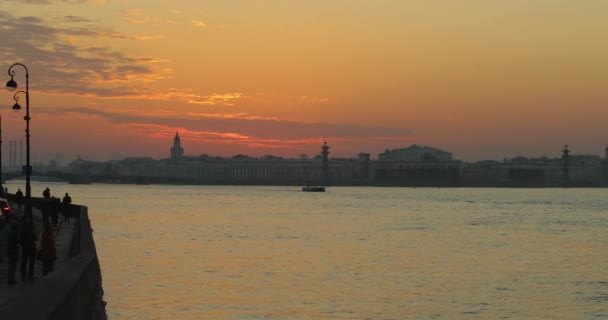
(63, 237)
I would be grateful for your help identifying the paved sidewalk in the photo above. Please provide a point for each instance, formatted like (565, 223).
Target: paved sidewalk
(63, 238)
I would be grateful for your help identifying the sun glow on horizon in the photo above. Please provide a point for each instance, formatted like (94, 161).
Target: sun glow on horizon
(484, 80)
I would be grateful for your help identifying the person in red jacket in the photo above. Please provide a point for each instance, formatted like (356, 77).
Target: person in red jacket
(48, 252)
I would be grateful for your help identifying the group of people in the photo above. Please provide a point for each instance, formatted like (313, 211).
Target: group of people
(54, 206)
(22, 238)
(21, 245)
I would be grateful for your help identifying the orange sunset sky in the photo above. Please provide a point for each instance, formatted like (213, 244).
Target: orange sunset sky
(481, 79)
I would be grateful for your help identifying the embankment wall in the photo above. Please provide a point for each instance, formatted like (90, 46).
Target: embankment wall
(73, 291)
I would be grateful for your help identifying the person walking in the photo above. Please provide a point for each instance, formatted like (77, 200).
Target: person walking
(48, 251)
(19, 197)
(5, 229)
(45, 209)
(12, 251)
(46, 193)
(55, 206)
(28, 249)
(3, 240)
(67, 200)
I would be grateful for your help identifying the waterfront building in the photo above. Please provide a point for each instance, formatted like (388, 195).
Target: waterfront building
(580, 170)
(604, 165)
(416, 165)
(412, 166)
(177, 151)
(364, 161)
(239, 169)
(415, 153)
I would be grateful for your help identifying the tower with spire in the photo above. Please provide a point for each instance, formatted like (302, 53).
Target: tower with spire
(566, 165)
(325, 168)
(177, 151)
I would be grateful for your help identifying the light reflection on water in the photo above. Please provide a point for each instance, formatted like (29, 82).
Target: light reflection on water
(226, 252)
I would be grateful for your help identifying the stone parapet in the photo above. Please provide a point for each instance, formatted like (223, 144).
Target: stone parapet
(73, 291)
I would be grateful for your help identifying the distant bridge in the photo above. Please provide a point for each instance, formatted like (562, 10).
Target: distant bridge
(36, 176)
(11, 175)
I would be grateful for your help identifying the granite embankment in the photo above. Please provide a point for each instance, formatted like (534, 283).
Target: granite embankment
(73, 290)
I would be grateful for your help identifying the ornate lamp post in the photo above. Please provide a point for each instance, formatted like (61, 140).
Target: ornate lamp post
(11, 85)
(1, 153)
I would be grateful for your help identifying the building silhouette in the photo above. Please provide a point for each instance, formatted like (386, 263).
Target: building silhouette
(416, 166)
(177, 151)
(566, 164)
(325, 168)
(410, 166)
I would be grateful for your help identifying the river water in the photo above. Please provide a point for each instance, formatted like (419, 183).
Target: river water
(235, 252)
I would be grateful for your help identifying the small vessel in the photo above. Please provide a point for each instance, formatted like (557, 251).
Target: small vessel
(313, 189)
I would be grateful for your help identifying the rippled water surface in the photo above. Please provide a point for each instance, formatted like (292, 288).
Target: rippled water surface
(227, 252)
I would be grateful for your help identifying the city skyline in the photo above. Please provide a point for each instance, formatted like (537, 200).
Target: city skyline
(15, 158)
(481, 80)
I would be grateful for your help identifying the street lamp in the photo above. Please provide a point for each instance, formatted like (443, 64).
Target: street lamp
(1, 154)
(11, 85)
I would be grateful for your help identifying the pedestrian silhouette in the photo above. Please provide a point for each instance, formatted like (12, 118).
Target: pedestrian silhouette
(67, 200)
(19, 197)
(5, 229)
(46, 193)
(54, 207)
(28, 249)
(12, 251)
(48, 251)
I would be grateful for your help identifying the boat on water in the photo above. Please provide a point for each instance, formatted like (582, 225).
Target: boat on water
(313, 189)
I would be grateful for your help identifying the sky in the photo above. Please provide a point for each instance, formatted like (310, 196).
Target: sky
(481, 79)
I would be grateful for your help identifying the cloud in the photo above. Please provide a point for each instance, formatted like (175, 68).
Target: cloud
(101, 33)
(199, 24)
(241, 126)
(63, 66)
(312, 100)
(75, 19)
(215, 99)
(240, 115)
(151, 60)
(136, 16)
(56, 1)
